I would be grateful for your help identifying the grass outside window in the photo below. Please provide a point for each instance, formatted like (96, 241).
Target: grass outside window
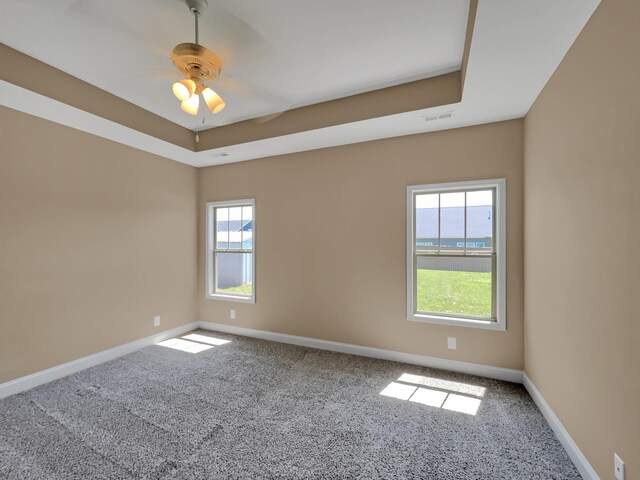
(245, 289)
(454, 292)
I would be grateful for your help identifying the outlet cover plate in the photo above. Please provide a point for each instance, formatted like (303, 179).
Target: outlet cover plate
(618, 467)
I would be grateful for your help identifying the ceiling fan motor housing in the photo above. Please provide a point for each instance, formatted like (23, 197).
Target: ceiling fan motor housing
(196, 62)
(196, 5)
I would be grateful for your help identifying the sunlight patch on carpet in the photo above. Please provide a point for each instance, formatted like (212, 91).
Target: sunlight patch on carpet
(185, 345)
(196, 337)
(410, 388)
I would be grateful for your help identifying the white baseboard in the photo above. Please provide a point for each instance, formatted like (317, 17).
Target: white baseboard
(25, 383)
(498, 373)
(577, 457)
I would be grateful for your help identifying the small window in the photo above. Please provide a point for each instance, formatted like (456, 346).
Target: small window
(455, 253)
(231, 241)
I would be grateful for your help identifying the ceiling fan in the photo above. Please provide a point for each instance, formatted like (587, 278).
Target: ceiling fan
(199, 65)
(144, 24)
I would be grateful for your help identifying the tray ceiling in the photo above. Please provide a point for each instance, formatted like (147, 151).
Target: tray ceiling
(276, 55)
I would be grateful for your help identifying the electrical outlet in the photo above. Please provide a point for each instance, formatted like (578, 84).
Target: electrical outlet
(156, 321)
(451, 343)
(232, 314)
(618, 467)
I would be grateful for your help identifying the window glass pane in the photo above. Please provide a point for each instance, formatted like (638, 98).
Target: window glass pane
(234, 273)
(222, 214)
(222, 227)
(247, 212)
(454, 285)
(235, 227)
(480, 221)
(247, 227)
(452, 222)
(427, 221)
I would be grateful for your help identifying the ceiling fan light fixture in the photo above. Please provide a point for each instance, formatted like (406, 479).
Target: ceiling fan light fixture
(199, 65)
(213, 100)
(184, 89)
(191, 105)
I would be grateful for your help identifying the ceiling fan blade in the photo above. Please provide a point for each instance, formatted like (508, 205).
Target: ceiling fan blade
(135, 36)
(100, 13)
(165, 23)
(237, 85)
(234, 83)
(267, 118)
(233, 39)
(148, 73)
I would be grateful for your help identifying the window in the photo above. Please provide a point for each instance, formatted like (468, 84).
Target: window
(231, 243)
(456, 253)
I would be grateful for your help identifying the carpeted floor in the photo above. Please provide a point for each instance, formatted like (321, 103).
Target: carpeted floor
(200, 408)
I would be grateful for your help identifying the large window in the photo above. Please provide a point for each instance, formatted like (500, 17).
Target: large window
(455, 253)
(231, 242)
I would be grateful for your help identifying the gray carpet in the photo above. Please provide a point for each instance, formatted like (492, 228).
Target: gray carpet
(256, 409)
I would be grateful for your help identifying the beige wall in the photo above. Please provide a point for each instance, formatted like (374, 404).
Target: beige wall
(331, 240)
(95, 239)
(582, 239)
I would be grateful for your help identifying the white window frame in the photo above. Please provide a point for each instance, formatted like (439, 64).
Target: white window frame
(210, 283)
(500, 235)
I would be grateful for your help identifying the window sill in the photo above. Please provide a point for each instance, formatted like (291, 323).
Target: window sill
(230, 298)
(458, 322)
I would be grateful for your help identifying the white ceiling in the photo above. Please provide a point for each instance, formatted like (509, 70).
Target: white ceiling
(276, 54)
(517, 45)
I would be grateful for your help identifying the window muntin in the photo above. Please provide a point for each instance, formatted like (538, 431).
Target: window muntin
(455, 253)
(230, 250)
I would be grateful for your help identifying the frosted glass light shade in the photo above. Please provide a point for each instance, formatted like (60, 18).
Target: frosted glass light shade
(214, 102)
(184, 89)
(191, 106)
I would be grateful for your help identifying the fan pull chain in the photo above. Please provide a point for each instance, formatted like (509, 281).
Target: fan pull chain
(197, 133)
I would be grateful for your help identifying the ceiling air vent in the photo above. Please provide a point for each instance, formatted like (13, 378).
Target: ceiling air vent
(439, 116)
(219, 154)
